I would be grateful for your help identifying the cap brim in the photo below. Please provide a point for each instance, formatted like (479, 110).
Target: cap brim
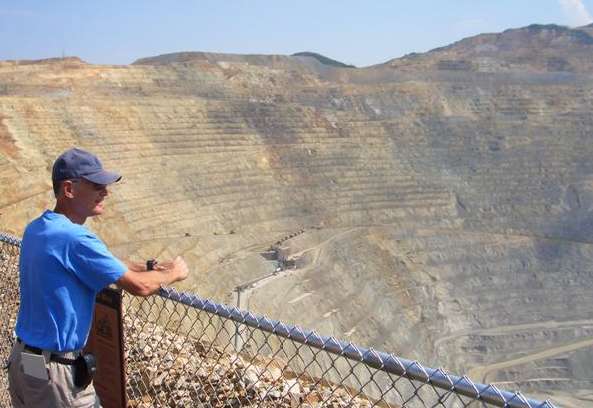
(103, 177)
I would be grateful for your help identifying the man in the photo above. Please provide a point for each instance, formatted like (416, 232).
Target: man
(63, 266)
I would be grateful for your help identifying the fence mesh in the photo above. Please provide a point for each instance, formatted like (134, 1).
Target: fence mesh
(184, 351)
(9, 304)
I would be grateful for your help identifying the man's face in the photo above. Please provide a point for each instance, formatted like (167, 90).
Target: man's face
(87, 197)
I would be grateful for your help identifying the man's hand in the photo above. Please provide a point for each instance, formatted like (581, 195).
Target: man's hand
(177, 266)
(181, 269)
(145, 283)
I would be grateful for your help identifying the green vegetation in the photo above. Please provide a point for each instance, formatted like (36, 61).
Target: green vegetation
(323, 59)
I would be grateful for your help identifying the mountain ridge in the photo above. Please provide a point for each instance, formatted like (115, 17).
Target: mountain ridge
(534, 48)
(528, 47)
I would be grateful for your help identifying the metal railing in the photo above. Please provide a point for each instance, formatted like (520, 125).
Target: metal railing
(184, 351)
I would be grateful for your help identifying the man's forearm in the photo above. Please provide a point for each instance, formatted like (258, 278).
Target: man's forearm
(136, 266)
(147, 282)
(151, 281)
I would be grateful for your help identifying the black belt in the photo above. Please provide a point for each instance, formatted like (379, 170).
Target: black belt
(53, 357)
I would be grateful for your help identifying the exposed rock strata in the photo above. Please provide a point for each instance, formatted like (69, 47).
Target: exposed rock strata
(446, 208)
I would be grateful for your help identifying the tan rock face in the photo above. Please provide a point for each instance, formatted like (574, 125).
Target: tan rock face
(445, 215)
(535, 49)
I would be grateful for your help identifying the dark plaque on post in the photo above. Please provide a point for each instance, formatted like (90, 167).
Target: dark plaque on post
(106, 343)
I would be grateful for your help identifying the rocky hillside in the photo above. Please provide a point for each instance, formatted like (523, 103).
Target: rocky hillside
(536, 48)
(437, 206)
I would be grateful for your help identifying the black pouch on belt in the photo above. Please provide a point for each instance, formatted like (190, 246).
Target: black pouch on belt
(85, 366)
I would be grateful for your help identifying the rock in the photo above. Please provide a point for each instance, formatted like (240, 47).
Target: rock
(292, 387)
(251, 377)
(274, 373)
(158, 381)
(275, 394)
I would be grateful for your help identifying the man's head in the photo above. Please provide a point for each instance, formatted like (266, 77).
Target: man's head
(80, 183)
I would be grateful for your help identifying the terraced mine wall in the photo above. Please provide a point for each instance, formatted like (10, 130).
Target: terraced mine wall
(446, 215)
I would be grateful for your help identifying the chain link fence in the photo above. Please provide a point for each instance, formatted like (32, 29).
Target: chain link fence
(9, 305)
(184, 351)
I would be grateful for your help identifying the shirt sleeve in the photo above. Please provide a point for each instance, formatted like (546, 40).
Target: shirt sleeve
(93, 263)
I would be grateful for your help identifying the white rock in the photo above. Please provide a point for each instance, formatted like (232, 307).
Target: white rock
(292, 388)
(275, 373)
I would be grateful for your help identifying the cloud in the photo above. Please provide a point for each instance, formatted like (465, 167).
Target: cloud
(576, 12)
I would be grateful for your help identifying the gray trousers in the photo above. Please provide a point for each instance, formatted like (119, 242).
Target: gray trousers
(57, 392)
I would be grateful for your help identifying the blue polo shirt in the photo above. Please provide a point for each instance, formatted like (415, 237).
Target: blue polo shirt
(63, 266)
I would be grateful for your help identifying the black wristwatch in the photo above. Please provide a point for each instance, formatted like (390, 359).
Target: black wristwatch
(150, 264)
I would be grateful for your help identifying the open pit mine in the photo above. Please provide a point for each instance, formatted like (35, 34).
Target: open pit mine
(438, 206)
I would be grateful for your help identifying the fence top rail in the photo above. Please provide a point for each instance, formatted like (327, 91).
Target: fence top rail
(389, 363)
(10, 239)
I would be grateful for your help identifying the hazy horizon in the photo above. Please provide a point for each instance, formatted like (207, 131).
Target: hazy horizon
(353, 33)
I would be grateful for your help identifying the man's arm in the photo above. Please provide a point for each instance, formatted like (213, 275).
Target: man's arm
(136, 266)
(140, 282)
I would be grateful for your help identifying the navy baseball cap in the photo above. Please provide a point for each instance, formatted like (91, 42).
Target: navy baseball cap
(77, 163)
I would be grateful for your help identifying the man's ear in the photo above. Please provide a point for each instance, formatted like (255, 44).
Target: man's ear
(68, 188)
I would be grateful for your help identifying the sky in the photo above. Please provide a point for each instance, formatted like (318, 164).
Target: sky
(356, 32)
